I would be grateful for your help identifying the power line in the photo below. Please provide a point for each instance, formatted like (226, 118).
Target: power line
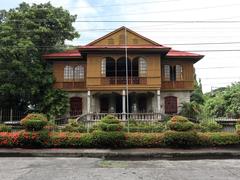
(202, 43)
(223, 67)
(123, 4)
(165, 11)
(138, 21)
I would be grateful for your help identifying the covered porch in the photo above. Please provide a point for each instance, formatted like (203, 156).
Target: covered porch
(139, 105)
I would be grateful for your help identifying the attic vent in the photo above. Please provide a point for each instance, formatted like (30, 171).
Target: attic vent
(135, 41)
(121, 39)
(110, 41)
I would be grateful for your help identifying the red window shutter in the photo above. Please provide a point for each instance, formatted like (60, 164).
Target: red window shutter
(75, 106)
(171, 105)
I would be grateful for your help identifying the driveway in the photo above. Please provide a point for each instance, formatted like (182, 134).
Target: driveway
(99, 169)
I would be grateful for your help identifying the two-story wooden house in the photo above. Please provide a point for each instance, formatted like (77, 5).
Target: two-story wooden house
(98, 76)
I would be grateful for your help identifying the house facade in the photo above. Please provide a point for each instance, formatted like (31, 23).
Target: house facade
(124, 72)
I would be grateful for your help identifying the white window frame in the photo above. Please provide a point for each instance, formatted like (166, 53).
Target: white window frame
(68, 72)
(142, 67)
(179, 72)
(79, 72)
(167, 73)
(103, 67)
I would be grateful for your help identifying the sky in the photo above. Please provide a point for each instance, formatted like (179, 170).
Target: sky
(216, 69)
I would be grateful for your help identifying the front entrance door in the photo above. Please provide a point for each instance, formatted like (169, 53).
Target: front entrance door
(142, 104)
(104, 104)
(119, 104)
(171, 105)
(75, 106)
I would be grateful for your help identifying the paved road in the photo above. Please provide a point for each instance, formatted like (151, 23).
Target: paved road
(98, 169)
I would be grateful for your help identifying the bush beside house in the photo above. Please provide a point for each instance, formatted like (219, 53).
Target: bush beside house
(108, 133)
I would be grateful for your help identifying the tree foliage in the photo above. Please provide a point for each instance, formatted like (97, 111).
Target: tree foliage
(197, 95)
(27, 33)
(224, 103)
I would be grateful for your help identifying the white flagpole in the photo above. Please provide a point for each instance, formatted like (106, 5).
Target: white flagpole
(126, 56)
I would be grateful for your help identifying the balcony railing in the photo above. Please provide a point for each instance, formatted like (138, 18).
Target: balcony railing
(177, 85)
(70, 85)
(123, 80)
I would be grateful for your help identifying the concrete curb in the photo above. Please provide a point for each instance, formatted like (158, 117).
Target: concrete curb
(126, 154)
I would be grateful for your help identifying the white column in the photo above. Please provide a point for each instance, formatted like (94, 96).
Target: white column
(88, 102)
(112, 103)
(158, 101)
(124, 103)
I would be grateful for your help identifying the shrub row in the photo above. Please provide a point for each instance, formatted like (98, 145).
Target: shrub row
(101, 139)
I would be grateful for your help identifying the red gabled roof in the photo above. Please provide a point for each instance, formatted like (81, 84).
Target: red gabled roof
(119, 29)
(74, 53)
(179, 54)
(123, 47)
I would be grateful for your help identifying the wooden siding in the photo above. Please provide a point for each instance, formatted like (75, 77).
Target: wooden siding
(96, 81)
(153, 80)
(58, 71)
(187, 82)
(118, 39)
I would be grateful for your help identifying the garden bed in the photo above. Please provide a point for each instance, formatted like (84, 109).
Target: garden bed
(45, 139)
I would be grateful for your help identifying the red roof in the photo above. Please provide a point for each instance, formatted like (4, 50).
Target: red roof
(123, 47)
(65, 54)
(176, 53)
(75, 53)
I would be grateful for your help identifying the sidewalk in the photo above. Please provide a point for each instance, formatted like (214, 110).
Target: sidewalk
(123, 154)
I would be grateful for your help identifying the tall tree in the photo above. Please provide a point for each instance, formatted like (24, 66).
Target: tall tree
(26, 34)
(197, 95)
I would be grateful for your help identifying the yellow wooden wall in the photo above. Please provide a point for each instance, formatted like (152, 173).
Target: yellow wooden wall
(131, 37)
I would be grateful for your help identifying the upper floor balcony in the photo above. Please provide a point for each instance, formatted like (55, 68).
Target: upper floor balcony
(123, 80)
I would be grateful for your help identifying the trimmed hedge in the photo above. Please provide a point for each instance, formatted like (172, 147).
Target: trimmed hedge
(144, 140)
(180, 123)
(146, 128)
(74, 126)
(102, 139)
(218, 139)
(34, 122)
(5, 128)
(110, 119)
(182, 139)
(210, 126)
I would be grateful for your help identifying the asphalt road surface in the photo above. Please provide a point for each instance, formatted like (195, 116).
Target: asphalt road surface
(99, 169)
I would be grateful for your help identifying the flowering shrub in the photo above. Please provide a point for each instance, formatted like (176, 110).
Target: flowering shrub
(144, 140)
(210, 126)
(179, 123)
(34, 122)
(8, 139)
(74, 126)
(101, 139)
(218, 139)
(74, 140)
(110, 123)
(5, 128)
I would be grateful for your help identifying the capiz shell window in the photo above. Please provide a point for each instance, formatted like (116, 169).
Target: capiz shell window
(142, 66)
(79, 72)
(166, 72)
(68, 72)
